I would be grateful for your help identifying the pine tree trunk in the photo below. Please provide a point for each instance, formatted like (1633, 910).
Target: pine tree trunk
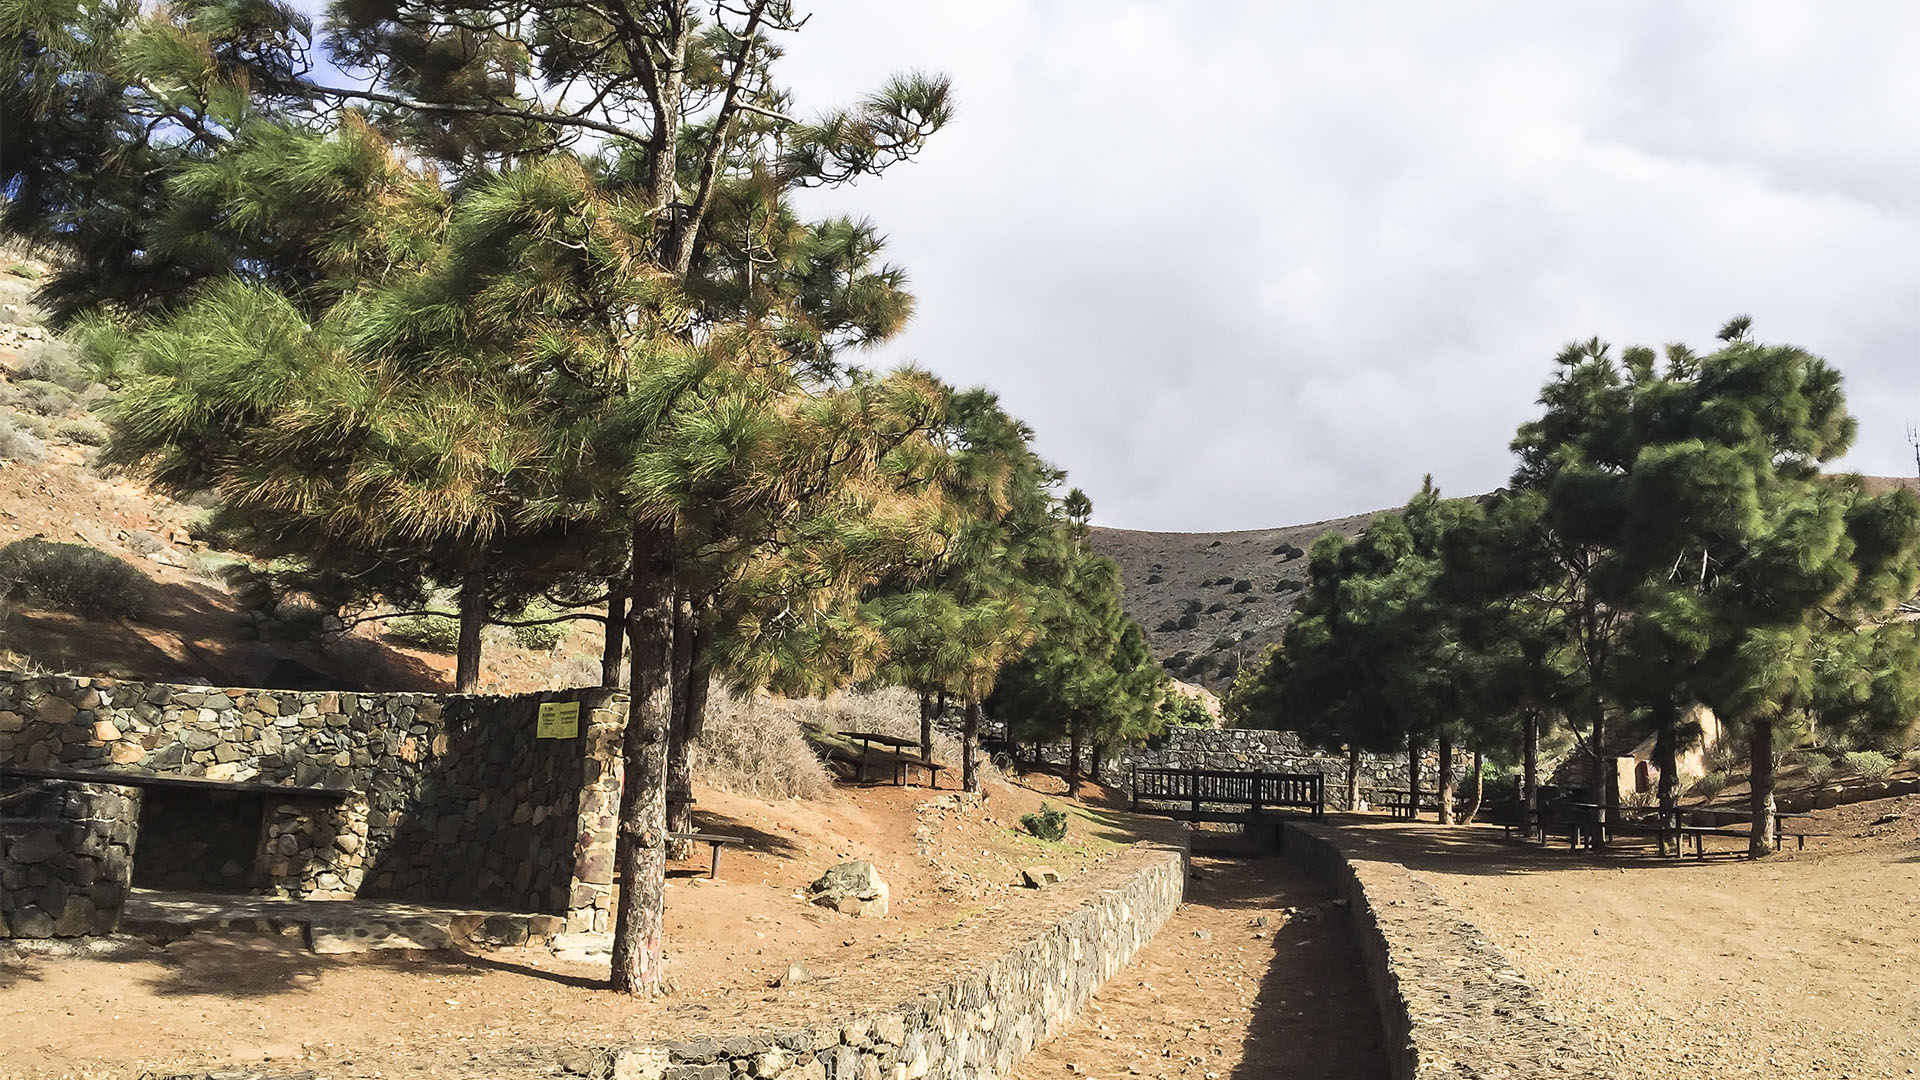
(1446, 777)
(1073, 758)
(926, 726)
(1479, 786)
(1760, 766)
(613, 673)
(1353, 777)
(1530, 775)
(1413, 778)
(679, 762)
(640, 924)
(1099, 753)
(970, 747)
(473, 620)
(1597, 767)
(1666, 759)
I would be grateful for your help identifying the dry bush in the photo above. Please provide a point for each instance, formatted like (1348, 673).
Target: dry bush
(17, 444)
(755, 747)
(76, 579)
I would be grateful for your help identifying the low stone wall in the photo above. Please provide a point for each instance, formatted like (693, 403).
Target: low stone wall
(66, 858)
(1450, 1004)
(977, 1025)
(451, 798)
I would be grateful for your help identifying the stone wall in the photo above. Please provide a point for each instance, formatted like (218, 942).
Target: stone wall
(1260, 750)
(1450, 1004)
(437, 798)
(66, 857)
(977, 1025)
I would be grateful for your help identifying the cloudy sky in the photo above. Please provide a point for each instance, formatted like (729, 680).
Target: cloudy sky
(1244, 265)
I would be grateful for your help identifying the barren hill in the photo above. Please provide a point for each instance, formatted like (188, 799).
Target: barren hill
(1213, 601)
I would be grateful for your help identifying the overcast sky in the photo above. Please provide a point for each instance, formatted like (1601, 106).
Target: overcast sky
(1261, 264)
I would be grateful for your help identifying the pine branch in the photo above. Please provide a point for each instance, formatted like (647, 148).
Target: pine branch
(508, 112)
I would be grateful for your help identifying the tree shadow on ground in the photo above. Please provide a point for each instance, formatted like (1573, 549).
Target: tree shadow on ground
(1313, 1014)
(750, 839)
(254, 966)
(1485, 850)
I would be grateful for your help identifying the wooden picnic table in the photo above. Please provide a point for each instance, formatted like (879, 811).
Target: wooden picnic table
(868, 738)
(712, 840)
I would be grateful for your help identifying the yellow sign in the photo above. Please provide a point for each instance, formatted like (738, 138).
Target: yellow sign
(558, 720)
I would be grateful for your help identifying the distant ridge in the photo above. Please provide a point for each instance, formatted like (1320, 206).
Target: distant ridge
(1162, 572)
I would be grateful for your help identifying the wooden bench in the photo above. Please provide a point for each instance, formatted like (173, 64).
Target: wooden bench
(1398, 803)
(712, 840)
(903, 767)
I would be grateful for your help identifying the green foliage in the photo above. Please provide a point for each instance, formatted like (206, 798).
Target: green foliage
(434, 633)
(1178, 661)
(1711, 784)
(1184, 710)
(1167, 626)
(1188, 621)
(75, 579)
(545, 637)
(1869, 764)
(24, 270)
(1048, 823)
(1190, 606)
(1818, 768)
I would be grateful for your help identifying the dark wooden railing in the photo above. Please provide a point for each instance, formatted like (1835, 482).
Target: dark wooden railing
(1220, 794)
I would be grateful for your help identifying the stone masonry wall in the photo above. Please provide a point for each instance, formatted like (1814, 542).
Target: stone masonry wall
(453, 799)
(1450, 1004)
(1258, 749)
(977, 1025)
(66, 857)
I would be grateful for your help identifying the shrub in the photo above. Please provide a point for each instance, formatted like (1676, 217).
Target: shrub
(1167, 626)
(52, 363)
(434, 633)
(1048, 823)
(1216, 607)
(1711, 784)
(19, 445)
(1178, 660)
(1245, 634)
(758, 747)
(1197, 666)
(1250, 598)
(1155, 579)
(1191, 606)
(76, 579)
(84, 432)
(1229, 666)
(1869, 764)
(1224, 641)
(45, 398)
(1188, 621)
(1289, 585)
(543, 638)
(1236, 616)
(1243, 585)
(1819, 768)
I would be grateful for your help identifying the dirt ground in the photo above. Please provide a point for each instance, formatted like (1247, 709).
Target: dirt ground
(1799, 964)
(250, 998)
(1214, 995)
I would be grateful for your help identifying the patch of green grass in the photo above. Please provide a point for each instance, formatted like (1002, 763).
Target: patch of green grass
(24, 270)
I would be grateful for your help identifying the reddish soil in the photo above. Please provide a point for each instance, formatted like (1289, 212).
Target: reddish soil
(1798, 964)
(245, 998)
(1214, 995)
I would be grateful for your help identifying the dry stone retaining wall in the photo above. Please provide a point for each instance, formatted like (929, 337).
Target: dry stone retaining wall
(447, 798)
(1258, 749)
(66, 859)
(976, 1026)
(1450, 1003)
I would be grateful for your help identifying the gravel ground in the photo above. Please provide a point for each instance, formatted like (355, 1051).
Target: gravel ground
(1255, 977)
(1800, 964)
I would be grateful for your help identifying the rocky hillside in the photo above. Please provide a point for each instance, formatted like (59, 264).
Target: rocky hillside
(1213, 601)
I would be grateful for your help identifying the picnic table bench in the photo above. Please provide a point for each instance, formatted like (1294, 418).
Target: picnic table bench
(1398, 802)
(894, 743)
(713, 840)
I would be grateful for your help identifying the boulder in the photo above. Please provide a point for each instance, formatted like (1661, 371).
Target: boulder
(852, 888)
(1039, 877)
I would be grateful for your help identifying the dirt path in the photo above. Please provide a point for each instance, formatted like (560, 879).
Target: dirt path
(1799, 964)
(1215, 997)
